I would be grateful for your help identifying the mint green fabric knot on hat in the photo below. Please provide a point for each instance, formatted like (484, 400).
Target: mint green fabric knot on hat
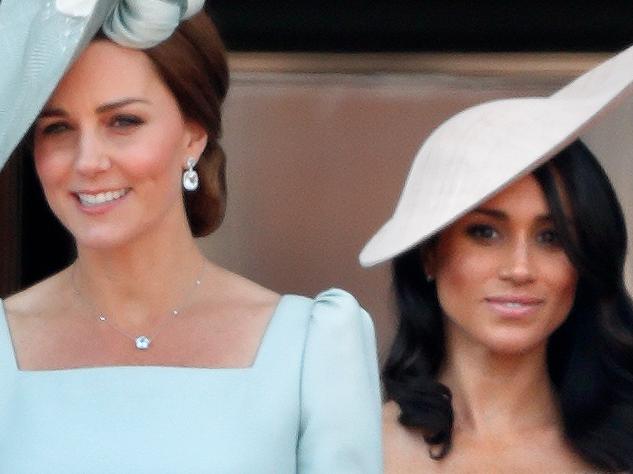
(145, 23)
(40, 39)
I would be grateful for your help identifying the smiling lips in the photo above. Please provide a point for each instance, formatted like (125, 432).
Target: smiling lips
(97, 199)
(514, 306)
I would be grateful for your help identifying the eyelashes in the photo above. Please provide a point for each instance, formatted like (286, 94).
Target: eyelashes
(125, 121)
(482, 232)
(54, 128)
(550, 237)
(119, 122)
(488, 234)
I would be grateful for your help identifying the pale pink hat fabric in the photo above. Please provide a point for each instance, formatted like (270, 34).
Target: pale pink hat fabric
(479, 151)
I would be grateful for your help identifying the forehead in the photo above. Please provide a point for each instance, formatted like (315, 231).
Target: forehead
(105, 70)
(524, 197)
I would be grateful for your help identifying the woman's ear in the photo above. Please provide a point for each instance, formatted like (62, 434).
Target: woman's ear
(196, 138)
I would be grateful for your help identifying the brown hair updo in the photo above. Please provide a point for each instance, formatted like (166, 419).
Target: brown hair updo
(192, 63)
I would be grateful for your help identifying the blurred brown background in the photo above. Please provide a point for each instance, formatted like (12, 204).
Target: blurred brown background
(328, 104)
(318, 146)
(317, 158)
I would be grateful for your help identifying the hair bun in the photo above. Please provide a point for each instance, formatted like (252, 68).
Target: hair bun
(145, 23)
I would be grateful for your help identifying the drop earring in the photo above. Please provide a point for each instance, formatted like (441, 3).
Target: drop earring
(190, 178)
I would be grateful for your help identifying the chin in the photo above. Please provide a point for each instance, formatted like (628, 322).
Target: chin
(102, 239)
(514, 344)
(100, 243)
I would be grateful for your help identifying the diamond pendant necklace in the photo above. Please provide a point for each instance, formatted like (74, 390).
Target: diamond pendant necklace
(141, 342)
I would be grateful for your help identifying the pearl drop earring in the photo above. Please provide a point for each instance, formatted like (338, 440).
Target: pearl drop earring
(190, 179)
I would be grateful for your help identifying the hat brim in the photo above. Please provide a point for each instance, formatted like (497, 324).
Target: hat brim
(38, 43)
(480, 151)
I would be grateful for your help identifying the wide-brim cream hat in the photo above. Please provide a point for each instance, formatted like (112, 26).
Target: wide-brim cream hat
(479, 151)
(40, 39)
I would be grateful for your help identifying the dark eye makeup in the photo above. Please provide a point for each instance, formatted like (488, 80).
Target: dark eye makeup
(126, 120)
(118, 121)
(481, 232)
(54, 128)
(486, 233)
(549, 237)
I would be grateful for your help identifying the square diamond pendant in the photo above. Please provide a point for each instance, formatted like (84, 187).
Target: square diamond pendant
(142, 342)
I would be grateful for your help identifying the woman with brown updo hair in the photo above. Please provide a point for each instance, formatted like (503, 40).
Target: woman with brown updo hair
(142, 355)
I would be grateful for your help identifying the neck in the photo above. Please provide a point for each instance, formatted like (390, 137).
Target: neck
(498, 392)
(135, 284)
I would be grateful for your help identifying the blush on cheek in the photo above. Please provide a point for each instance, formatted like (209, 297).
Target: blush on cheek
(452, 287)
(46, 170)
(152, 156)
(461, 272)
(567, 295)
(50, 160)
(562, 279)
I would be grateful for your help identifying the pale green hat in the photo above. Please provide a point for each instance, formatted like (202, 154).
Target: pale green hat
(40, 39)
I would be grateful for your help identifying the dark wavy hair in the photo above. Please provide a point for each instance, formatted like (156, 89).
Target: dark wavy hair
(589, 357)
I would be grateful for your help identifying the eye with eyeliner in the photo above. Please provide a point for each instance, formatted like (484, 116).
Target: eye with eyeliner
(54, 128)
(126, 121)
(549, 237)
(482, 232)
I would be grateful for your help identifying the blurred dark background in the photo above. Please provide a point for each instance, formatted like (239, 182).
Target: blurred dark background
(424, 25)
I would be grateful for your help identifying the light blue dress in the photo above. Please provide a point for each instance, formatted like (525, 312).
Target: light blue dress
(309, 404)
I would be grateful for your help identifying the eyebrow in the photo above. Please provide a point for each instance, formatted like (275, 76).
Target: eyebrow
(58, 112)
(501, 215)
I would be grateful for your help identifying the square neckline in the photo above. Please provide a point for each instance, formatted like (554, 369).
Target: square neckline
(7, 337)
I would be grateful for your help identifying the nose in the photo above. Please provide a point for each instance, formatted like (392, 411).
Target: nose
(91, 156)
(517, 266)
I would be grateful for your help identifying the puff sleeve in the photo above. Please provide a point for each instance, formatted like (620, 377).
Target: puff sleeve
(340, 430)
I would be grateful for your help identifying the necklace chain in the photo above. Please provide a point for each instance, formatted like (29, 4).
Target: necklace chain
(143, 341)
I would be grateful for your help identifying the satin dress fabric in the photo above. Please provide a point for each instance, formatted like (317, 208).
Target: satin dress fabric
(309, 404)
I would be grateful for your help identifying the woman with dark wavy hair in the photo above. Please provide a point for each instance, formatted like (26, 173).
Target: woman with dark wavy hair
(514, 347)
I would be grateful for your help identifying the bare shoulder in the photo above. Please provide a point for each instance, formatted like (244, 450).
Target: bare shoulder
(390, 414)
(236, 290)
(405, 450)
(396, 437)
(393, 430)
(37, 300)
(232, 316)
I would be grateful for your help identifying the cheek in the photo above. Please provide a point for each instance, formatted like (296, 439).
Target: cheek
(145, 162)
(561, 278)
(461, 269)
(159, 152)
(51, 167)
(460, 280)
